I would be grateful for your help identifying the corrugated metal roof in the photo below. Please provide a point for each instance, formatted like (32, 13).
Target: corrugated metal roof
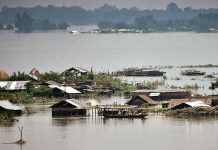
(9, 106)
(75, 102)
(197, 104)
(13, 85)
(154, 94)
(158, 91)
(66, 89)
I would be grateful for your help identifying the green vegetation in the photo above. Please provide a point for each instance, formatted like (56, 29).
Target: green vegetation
(150, 85)
(6, 119)
(19, 76)
(186, 87)
(214, 85)
(26, 23)
(51, 76)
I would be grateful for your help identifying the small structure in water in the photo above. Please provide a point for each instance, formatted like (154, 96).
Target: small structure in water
(141, 100)
(8, 107)
(120, 111)
(192, 72)
(140, 72)
(190, 105)
(69, 107)
(162, 95)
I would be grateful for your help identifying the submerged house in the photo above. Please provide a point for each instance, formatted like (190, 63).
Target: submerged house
(141, 100)
(59, 89)
(8, 107)
(190, 105)
(174, 102)
(162, 95)
(69, 107)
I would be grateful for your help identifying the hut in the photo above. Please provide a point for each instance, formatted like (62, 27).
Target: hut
(76, 71)
(162, 95)
(174, 102)
(141, 100)
(7, 107)
(69, 107)
(190, 105)
(3, 75)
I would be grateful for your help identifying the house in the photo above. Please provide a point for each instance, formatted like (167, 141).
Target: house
(75, 70)
(69, 107)
(190, 105)
(13, 85)
(141, 100)
(174, 102)
(34, 75)
(7, 107)
(162, 95)
(3, 75)
(59, 88)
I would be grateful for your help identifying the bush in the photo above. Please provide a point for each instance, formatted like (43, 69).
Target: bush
(42, 91)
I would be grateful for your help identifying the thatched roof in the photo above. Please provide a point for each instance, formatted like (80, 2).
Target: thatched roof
(3, 75)
(35, 72)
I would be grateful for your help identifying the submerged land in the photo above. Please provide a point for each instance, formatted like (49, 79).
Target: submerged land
(52, 87)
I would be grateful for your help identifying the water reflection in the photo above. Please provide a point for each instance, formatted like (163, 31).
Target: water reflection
(41, 131)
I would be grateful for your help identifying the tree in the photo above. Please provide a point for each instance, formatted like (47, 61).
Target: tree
(24, 22)
(51, 76)
(29, 86)
(172, 7)
(19, 76)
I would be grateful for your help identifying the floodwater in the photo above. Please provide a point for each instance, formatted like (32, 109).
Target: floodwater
(41, 131)
(59, 50)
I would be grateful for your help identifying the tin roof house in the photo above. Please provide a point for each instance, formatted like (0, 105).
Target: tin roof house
(69, 107)
(8, 107)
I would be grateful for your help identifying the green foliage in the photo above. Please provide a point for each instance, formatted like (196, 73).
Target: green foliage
(6, 118)
(24, 22)
(151, 85)
(214, 85)
(29, 86)
(19, 76)
(63, 26)
(90, 75)
(42, 91)
(51, 76)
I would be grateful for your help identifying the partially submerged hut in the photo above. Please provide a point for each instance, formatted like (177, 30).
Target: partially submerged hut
(141, 100)
(8, 107)
(3, 75)
(69, 107)
(162, 95)
(174, 102)
(190, 105)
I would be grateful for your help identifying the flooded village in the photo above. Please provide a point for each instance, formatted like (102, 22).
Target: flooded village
(103, 75)
(68, 96)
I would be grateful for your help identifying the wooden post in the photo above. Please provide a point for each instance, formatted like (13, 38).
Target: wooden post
(21, 133)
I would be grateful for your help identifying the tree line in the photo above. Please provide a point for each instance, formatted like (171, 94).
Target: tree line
(106, 13)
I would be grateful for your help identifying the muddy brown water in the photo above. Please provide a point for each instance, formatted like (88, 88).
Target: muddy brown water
(41, 131)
